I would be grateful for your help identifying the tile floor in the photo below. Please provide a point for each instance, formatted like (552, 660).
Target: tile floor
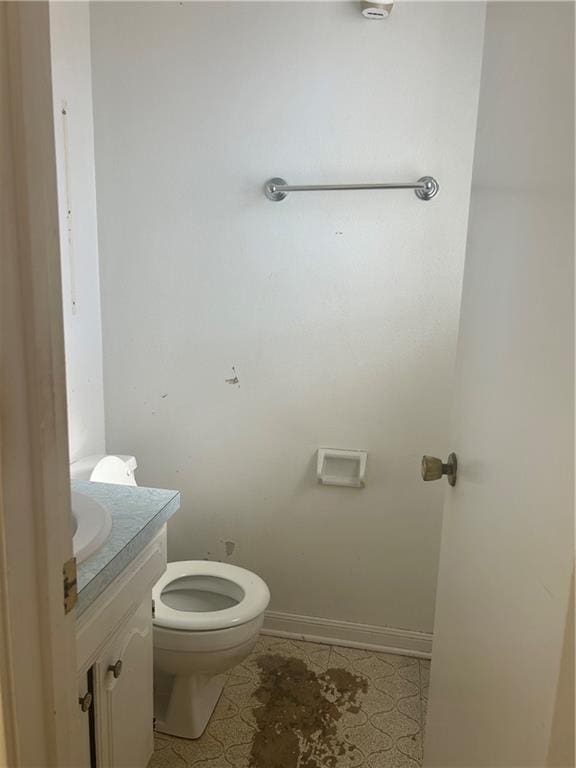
(295, 704)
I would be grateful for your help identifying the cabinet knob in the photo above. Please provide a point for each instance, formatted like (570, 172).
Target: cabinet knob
(116, 669)
(433, 468)
(85, 702)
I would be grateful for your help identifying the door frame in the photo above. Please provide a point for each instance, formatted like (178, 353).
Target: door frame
(37, 637)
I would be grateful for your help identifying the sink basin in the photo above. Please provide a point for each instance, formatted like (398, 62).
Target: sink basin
(91, 525)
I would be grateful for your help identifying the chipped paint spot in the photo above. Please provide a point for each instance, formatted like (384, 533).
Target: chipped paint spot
(230, 547)
(234, 379)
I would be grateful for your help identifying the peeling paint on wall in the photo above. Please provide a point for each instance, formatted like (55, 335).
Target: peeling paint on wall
(234, 379)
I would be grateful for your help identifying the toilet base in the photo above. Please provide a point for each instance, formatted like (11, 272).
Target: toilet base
(192, 701)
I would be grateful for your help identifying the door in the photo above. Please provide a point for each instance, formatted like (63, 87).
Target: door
(38, 695)
(508, 532)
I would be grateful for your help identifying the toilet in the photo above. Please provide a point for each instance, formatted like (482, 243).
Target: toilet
(207, 616)
(99, 468)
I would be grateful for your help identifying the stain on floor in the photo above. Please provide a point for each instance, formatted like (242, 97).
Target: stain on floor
(296, 722)
(295, 704)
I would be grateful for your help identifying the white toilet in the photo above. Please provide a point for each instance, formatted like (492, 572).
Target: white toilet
(207, 617)
(206, 620)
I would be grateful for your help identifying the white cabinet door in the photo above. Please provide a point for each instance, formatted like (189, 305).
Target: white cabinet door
(124, 694)
(80, 741)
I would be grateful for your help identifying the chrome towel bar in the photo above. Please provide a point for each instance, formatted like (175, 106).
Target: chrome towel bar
(277, 189)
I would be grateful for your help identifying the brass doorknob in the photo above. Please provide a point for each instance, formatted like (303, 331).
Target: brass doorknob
(116, 669)
(433, 468)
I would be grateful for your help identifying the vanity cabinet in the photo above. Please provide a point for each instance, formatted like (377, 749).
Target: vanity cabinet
(114, 727)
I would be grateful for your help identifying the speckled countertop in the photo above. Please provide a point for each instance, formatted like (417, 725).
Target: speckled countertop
(137, 516)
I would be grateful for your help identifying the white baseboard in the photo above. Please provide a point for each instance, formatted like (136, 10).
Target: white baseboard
(404, 642)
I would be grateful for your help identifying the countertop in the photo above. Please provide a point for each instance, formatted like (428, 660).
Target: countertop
(137, 516)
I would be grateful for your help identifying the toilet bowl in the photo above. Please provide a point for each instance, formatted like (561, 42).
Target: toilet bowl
(207, 616)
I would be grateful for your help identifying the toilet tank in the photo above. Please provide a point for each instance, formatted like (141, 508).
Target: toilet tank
(100, 468)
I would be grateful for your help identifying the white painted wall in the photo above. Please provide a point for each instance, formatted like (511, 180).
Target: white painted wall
(72, 90)
(338, 311)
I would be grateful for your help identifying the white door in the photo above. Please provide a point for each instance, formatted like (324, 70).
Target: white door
(508, 532)
(38, 693)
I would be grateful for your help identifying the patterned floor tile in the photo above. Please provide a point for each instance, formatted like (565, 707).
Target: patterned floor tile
(424, 689)
(206, 748)
(166, 758)
(424, 672)
(295, 704)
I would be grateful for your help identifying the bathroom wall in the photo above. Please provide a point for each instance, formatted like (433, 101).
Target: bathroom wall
(240, 334)
(72, 90)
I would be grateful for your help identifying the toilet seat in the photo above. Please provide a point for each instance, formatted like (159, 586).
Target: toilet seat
(253, 597)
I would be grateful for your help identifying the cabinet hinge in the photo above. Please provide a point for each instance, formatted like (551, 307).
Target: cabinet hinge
(70, 584)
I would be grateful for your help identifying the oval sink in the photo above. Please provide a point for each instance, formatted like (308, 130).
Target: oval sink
(91, 525)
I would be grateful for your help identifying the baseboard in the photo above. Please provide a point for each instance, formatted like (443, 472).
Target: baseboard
(344, 633)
